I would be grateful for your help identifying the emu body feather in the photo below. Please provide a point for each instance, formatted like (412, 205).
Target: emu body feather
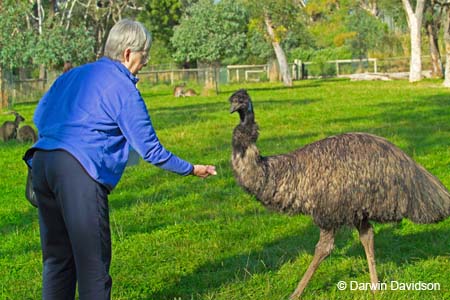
(348, 179)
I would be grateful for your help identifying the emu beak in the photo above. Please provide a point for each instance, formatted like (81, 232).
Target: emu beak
(234, 107)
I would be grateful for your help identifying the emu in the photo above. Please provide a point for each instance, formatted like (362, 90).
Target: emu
(8, 130)
(344, 180)
(26, 133)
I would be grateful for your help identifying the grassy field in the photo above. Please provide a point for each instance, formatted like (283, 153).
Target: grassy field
(186, 238)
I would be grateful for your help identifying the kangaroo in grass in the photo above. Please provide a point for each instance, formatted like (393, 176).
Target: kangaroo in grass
(26, 133)
(178, 91)
(190, 93)
(8, 130)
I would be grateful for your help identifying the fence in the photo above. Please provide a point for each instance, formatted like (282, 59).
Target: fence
(247, 73)
(343, 67)
(28, 90)
(337, 68)
(19, 90)
(174, 76)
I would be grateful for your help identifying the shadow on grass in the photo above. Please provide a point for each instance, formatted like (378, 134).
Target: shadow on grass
(218, 272)
(312, 83)
(393, 245)
(178, 116)
(421, 123)
(209, 278)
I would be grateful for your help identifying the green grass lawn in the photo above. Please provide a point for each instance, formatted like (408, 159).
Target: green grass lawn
(185, 238)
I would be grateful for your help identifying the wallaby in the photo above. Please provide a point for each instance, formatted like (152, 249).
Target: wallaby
(8, 130)
(190, 93)
(178, 91)
(26, 133)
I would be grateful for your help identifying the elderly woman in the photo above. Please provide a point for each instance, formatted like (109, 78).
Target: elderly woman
(87, 122)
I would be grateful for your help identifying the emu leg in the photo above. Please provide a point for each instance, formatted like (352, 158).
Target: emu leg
(323, 249)
(367, 240)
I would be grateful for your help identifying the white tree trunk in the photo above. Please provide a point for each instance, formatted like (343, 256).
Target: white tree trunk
(415, 68)
(40, 16)
(281, 57)
(447, 48)
(415, 25)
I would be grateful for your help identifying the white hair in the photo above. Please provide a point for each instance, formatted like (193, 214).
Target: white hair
(127, 34)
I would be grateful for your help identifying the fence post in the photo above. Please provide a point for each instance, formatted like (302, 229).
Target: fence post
(2, 90)
(337, 68)
(295, 69)
(375, 67)
(216, 79)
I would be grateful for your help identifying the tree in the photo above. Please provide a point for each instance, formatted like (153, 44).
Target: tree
(209, 32)
(432, 23)
(415, 25)
(447, 45)
(279, 52)
(161, 16)
(14, 41)
(367, 31)
(279, 19)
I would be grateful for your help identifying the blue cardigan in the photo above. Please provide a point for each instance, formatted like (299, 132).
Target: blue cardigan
(95, 112)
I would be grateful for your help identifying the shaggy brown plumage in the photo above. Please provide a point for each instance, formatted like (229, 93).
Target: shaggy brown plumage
(348, 179)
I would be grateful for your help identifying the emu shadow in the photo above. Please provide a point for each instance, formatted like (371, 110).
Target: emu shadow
(218, 272)
(401, 249)
(211, 276)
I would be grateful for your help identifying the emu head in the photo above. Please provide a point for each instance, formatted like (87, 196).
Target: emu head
(240, 101)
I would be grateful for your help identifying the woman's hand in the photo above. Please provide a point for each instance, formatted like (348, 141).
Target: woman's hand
(204, 171)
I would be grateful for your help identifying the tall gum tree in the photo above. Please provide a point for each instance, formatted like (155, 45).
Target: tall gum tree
(279, 52)
(447, 47)
(276, 18)
(414, 19)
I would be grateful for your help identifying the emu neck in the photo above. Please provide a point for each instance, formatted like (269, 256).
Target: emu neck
(246, 133)
(247, 117)
(246, 160)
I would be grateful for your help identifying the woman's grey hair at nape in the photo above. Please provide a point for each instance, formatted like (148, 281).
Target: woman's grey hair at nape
(127, 34)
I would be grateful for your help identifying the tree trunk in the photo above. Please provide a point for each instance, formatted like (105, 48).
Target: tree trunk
(415, 24)
(447, 48)
(415, 68)
(281, 57)
(433, 21)
(436, 62)
(371, 7)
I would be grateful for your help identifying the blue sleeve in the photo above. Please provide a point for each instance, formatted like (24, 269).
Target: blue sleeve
(136, 126)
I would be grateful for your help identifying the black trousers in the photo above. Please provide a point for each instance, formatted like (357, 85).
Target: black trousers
(74, 228)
